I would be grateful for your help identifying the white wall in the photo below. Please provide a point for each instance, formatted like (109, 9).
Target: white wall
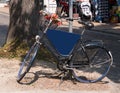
(51, 5)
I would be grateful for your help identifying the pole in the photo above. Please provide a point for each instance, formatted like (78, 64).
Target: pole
(70, 15)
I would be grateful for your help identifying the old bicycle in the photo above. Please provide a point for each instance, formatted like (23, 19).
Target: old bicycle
(88, 61)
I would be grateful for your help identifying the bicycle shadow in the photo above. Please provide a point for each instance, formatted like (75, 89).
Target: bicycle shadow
(3, 34)
(48, 70)
(40, 69)
(31, 78)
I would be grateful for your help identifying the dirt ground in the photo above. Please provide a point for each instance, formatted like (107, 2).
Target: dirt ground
(43, 78)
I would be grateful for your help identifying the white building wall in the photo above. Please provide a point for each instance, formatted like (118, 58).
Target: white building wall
(50, 5)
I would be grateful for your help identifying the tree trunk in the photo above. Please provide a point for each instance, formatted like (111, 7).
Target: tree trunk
(24, 20)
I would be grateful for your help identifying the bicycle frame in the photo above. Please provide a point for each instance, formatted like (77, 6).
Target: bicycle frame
(48, 42)
(48, 37)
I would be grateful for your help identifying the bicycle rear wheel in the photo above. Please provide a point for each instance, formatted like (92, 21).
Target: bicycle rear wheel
(27, 62)
(92, 67)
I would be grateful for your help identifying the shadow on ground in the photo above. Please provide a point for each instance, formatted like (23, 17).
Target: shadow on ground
(3, 34)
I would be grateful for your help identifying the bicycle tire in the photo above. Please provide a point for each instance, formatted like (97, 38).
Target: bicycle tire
(92, 67)
(27, 62)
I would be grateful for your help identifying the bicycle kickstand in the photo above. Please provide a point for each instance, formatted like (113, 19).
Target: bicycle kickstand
(62, 77)
(66, 74)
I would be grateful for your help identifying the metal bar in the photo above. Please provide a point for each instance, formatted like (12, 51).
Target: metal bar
(70, 15)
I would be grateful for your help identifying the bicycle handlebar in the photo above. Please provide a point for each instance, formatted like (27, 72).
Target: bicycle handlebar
(88, 24)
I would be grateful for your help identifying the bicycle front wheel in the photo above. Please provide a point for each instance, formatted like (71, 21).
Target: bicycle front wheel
(27, 62)
(91, 65)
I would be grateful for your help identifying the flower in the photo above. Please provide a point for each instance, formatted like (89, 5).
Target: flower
(54, 18)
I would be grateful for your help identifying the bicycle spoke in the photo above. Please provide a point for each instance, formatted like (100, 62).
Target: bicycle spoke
(100, 64)
(96, 69)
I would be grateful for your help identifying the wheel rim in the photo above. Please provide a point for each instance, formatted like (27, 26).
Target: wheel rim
(97, 69)
(27, 62)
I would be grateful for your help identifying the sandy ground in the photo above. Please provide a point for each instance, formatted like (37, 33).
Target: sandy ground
(42, 79)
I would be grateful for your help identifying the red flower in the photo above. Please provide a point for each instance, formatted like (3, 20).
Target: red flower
(54, 18)
(47, 17)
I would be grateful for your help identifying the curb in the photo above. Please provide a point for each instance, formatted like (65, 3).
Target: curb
(4, 13)
(106, 31)
(103, 29)
(4, 10)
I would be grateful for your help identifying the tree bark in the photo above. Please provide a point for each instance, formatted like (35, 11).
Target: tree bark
(24, 20)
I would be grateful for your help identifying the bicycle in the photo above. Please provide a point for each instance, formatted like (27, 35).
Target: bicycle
(87, 61)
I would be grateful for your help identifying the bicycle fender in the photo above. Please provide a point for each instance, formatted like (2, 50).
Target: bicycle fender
(94, 43)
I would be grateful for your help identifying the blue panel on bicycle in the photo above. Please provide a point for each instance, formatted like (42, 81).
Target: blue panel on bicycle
(62, 41)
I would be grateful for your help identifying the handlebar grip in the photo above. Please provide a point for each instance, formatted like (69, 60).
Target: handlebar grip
(89, 25)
